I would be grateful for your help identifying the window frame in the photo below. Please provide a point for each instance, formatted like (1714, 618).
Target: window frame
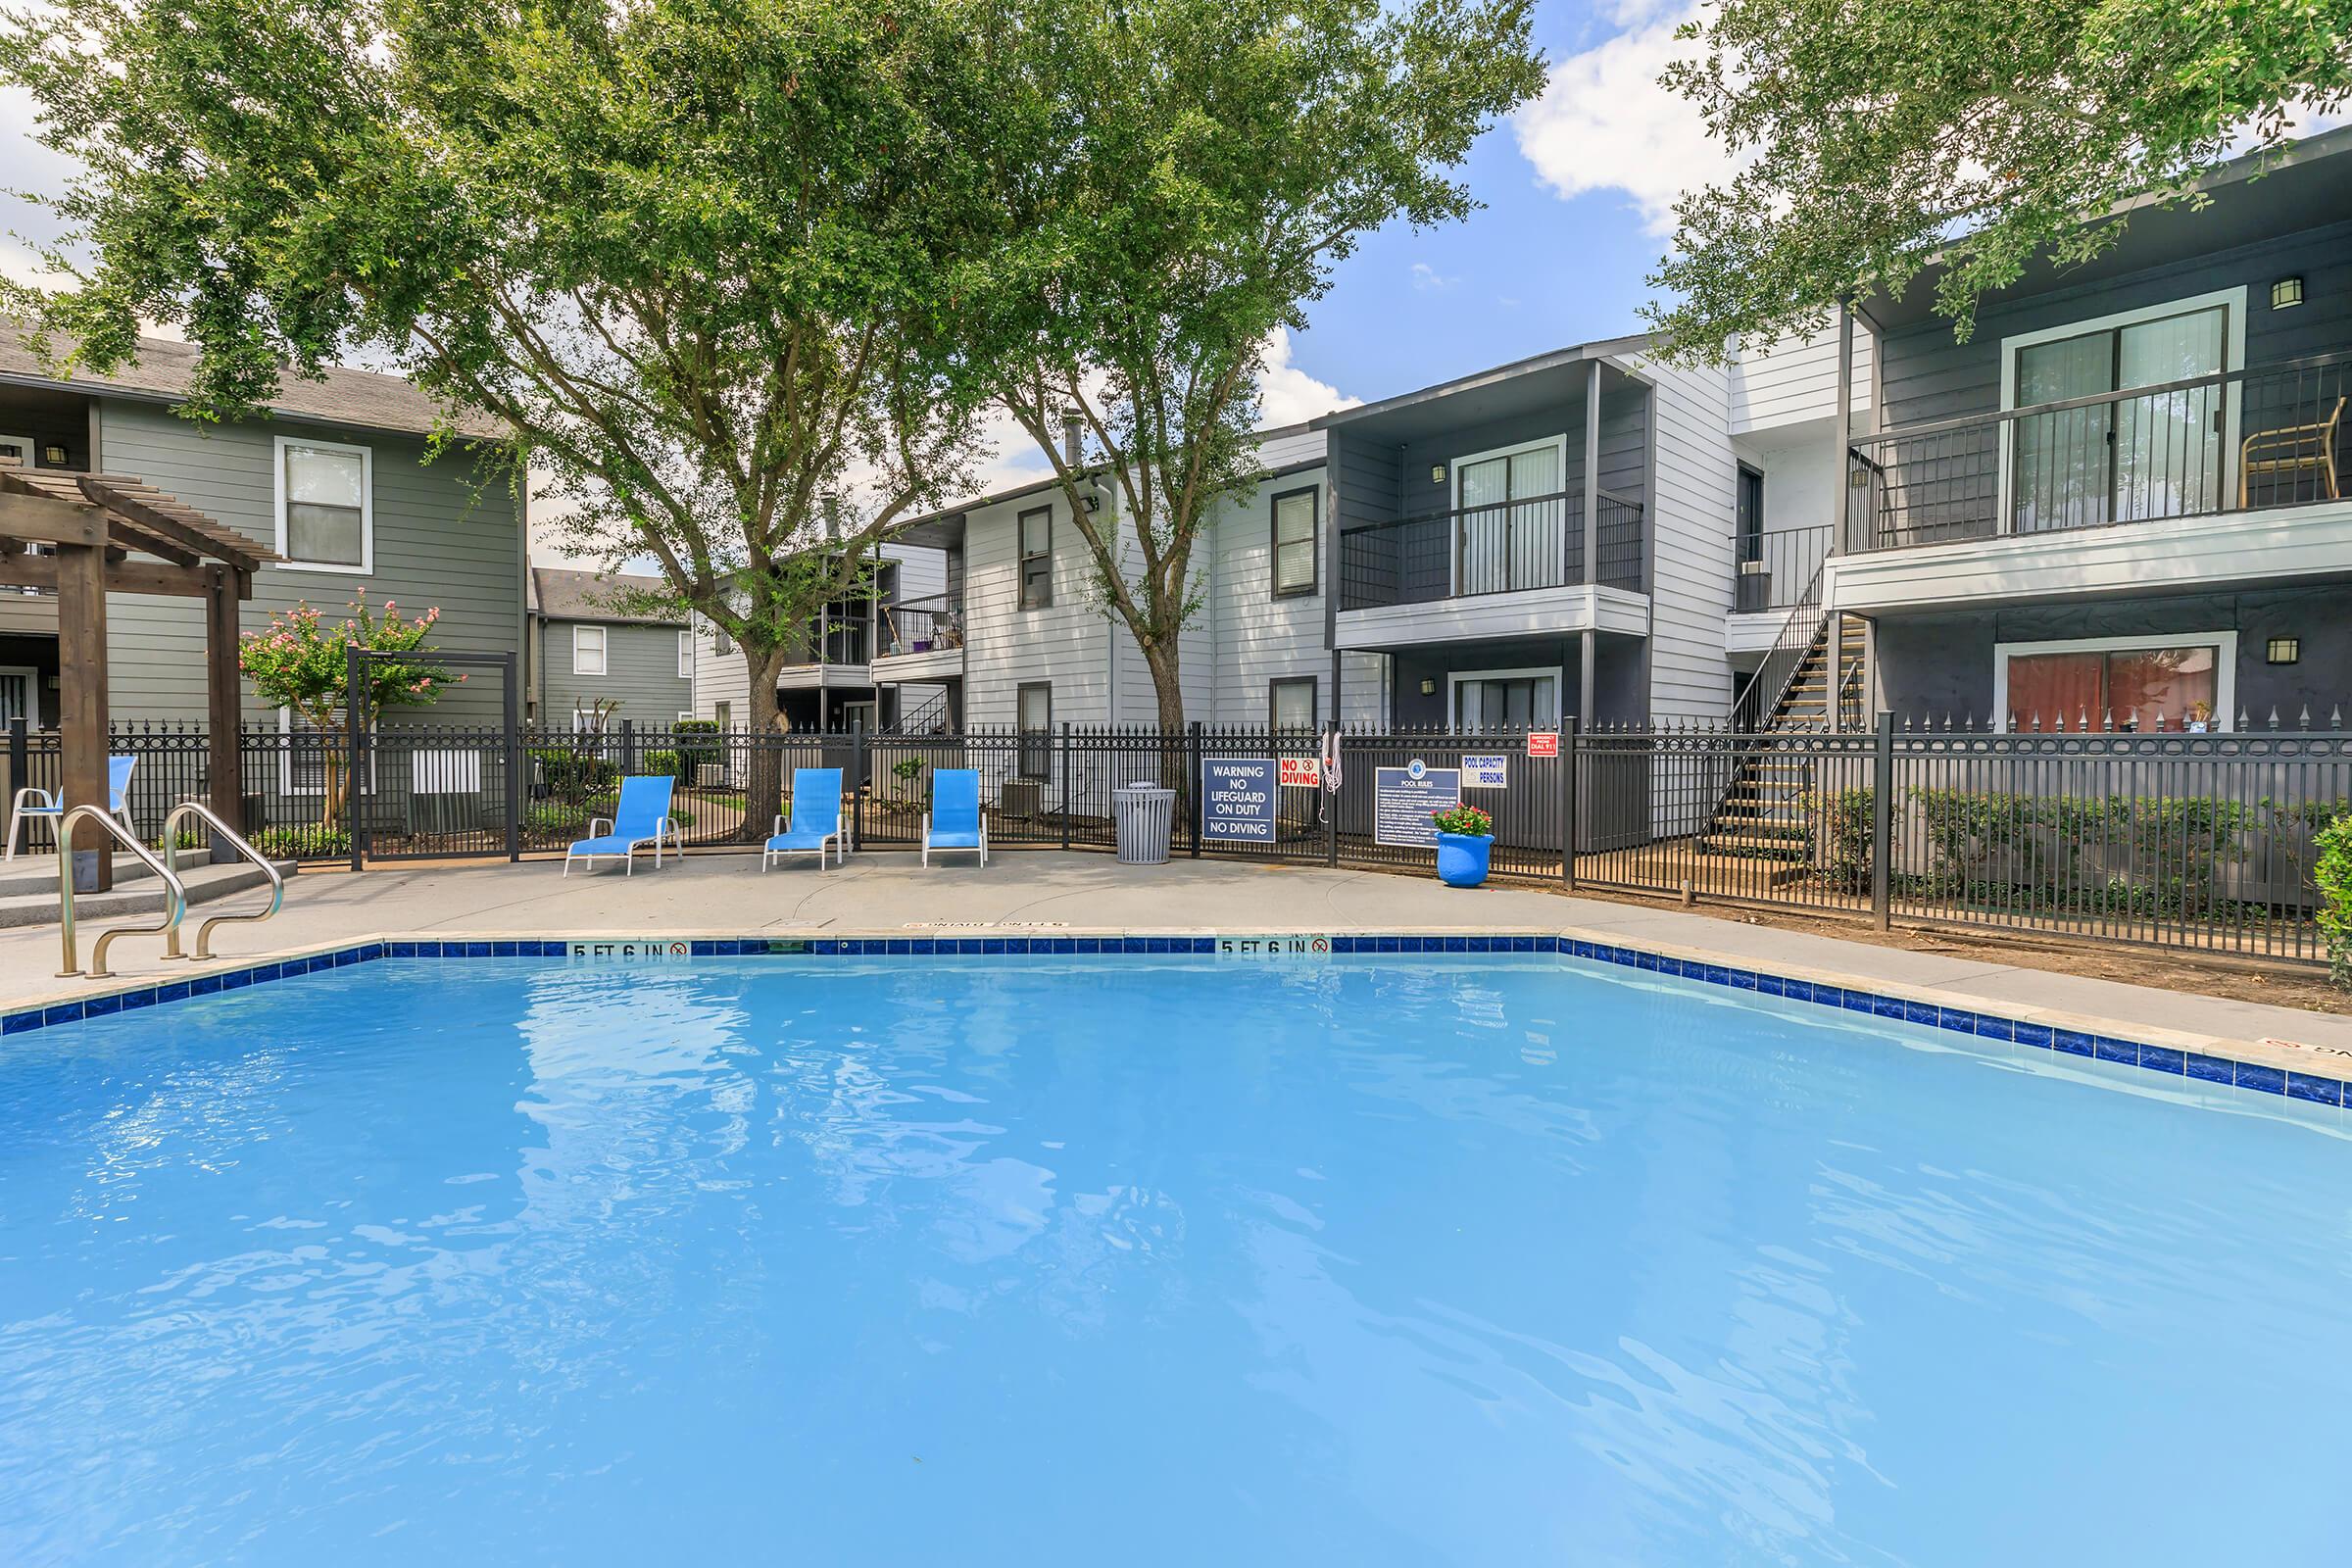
(2225, 666)
(1022, 556)
(1314, 540)
(2233, 302)
(366, 457)
(1022, 745)
(1748, 531)
(686, 654)
(1558, 674)
(1314, 704)
(604, 650)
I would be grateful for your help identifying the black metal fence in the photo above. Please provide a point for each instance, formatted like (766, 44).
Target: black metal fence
(2197, 841)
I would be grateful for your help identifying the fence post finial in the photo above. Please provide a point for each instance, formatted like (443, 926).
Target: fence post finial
(2303, 719)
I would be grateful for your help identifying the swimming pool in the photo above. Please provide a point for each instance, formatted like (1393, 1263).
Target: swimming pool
(1480, 1258)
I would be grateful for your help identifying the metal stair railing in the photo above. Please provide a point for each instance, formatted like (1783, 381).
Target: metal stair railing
(175, 893)
(1783, 661)
(236, 842)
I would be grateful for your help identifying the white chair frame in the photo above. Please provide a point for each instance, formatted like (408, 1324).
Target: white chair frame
(37, 804)
(956, 848)
(839, 838)
(598, 826)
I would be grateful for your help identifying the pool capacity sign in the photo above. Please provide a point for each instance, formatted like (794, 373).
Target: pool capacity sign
(1404, 799)
(1237, 800)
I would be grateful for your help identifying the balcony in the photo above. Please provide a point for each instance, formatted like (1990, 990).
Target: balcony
(1509, 568)
(921, 641)
(2202, 480)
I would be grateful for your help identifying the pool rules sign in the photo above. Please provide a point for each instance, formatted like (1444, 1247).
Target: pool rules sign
(1404, 799)
(1237, 800)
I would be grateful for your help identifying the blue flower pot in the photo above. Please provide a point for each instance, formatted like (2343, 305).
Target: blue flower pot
(1462, 858)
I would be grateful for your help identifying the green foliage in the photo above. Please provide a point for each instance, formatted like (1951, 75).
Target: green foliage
(314, 841)
(574, 774)
(2333, 874)
(1171, 182)
(691, 756)
(666, 761)
(1468, 820)
(1874, 139)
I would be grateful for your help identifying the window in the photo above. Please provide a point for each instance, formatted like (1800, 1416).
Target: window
(1037, 557)
(721, 645)
(1512, 518)
(1747, 514)
(20, 450)
(1290, 704)
(1034, 721)
(685, 655)
(725, 715)
(2173, 683)
(1505, 699)
(325, 515)
(587, 650)
(1295, 543)
(2130, 457)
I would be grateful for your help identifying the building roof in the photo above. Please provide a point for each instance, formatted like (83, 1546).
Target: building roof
(164, 370)
(556, 594)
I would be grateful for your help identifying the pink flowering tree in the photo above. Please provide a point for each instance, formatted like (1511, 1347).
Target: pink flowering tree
(301, 662)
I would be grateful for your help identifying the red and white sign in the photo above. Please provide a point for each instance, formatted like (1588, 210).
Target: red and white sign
(1543, 743)
(1300, 774)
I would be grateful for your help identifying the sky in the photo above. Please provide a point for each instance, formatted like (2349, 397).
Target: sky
(1577, 191)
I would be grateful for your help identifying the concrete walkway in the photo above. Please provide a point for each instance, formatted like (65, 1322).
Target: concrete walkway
(890, 894)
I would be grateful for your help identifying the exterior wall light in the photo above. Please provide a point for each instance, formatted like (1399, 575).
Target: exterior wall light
(1436, 474)
(2286, 292)
(2284, 649)
(54, 456)
(1429, 687)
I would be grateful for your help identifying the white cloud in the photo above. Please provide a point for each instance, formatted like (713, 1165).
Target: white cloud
(1603, 123)
(1427, 278)
(1288, 394)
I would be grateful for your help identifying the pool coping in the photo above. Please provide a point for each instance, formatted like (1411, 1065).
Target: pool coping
(2312, 1074)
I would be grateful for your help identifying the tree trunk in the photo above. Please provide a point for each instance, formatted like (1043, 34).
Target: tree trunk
(763, 766)
(1167, 685)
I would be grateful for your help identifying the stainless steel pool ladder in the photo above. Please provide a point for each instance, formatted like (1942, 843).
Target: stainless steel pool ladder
(167, 871)
(236, 842)
(176, 895)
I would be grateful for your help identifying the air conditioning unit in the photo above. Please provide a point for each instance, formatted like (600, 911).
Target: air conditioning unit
(711, 776)
(1022, 797)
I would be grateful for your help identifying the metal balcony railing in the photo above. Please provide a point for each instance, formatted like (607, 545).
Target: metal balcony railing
(1772, 569)
(924, 625)
(2238, 440)
(1508, 547)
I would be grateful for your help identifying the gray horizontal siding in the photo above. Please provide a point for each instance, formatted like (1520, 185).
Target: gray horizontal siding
(440, 542)
(1928, 375)
(641, 675)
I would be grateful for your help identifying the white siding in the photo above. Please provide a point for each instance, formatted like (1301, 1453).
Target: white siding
(1068, 643)
(1791, 382)
(1690, 521)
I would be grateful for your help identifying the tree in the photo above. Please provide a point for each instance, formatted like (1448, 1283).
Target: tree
(1981, 133)
(1178, 179)
(686, 250)
(295, 662)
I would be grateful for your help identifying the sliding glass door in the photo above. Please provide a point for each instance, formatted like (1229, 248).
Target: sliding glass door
(2125, 459)
(1509, 522)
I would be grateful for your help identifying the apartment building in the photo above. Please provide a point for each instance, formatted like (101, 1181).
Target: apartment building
(593, 662)
(829, 679)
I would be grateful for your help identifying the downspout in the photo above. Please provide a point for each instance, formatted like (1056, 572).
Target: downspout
(1590, 644)
(1832, 676)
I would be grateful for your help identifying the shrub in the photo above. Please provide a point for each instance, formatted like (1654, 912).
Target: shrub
(2333, 874)
(574, 774)
(666, 761)
(1467, 821)
(307, 841)
(693, 751)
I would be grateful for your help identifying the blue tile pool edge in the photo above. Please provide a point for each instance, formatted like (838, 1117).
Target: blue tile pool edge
(2216, 1070)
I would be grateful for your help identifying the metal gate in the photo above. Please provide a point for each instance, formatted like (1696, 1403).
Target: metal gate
(419, 790)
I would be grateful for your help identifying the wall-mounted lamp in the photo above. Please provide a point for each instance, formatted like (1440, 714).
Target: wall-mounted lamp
(2284, 649)
(1429, 687)
(1436, 474)
(2286, 292)
(54, 456)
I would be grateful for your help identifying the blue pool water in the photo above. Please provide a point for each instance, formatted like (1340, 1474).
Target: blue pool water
(1462, 1261)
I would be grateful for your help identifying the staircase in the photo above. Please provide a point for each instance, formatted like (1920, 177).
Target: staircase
(924, 720)
(1762, 814)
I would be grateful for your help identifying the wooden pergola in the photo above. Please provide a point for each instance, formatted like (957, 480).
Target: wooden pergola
(102, 533)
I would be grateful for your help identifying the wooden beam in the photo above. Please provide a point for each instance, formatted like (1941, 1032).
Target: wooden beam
(82, 696)
(223, 709)
(40, 571)
(42, 521)
(160, 513)
(147, 541)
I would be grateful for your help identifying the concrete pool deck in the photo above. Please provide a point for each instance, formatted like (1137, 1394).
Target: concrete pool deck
(1038, 893)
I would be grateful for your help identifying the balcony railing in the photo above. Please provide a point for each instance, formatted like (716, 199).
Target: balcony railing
(2238, 440)
(924, 625)
(1772, 569)
(1508, 547)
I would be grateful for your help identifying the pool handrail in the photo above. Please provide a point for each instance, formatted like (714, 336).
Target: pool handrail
(175, 893)
(236, 842)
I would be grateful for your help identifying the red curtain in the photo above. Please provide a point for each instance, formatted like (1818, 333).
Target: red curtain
(2054, 691)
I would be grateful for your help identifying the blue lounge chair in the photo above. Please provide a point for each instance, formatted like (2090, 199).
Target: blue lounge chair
(33, 804)
(954, 821)
(640, 817)
(815, 819)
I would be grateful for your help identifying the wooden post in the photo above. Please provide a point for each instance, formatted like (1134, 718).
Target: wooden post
(82, 697)
(222, 708)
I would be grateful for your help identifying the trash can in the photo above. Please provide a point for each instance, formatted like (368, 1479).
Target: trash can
(1144, 813)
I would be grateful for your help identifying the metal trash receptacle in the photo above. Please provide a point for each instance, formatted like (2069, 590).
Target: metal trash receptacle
(1143, 814)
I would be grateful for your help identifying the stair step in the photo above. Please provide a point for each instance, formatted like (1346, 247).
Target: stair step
(204, 883)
